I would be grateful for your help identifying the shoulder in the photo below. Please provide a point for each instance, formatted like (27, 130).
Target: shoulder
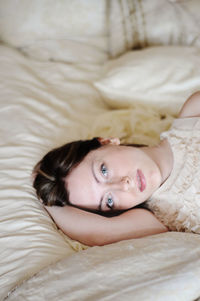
(191, 107)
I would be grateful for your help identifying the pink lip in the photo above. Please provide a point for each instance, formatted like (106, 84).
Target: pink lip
(141, 180)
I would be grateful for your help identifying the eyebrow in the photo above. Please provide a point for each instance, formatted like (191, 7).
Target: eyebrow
(101, 200)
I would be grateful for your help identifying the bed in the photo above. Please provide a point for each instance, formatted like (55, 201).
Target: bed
(73, 70)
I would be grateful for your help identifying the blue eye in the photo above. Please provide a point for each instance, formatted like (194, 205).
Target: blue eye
(110, 202)
(104, 170)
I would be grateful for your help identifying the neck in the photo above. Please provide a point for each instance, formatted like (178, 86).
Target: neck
(163, 157)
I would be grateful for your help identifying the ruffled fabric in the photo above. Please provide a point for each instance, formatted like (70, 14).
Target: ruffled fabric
(177, 202)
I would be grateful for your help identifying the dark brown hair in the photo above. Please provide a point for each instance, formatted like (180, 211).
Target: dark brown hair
(50, 172)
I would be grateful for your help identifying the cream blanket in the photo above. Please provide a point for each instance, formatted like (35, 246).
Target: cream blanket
(160, 267)
(44, 104)
(49, 95)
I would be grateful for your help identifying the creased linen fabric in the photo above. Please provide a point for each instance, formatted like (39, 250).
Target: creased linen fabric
(44, 105)
(159, 267)
(39, 109)
(63, 31)
(48, 97)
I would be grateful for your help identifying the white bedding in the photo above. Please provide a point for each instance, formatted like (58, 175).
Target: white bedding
(40, 108)
(161, 267)
(44, 103)
(138, 24)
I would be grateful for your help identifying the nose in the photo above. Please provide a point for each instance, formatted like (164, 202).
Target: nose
(125, 184)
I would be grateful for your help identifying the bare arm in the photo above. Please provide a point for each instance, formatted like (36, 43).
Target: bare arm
(191, 107)
(93, 229)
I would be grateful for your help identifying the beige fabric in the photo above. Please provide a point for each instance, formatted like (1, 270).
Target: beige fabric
(40, 108)
(43, 105)
(160, 77)
(161, 267)
(177, 202)
(56, 30)
(47, 102)
(139, 24)
(51, 29)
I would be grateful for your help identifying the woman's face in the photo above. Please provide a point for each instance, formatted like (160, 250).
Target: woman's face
(113, 177)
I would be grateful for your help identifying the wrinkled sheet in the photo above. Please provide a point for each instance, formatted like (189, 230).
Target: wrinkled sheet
(66, 31)
(42, 105)
(161, 267)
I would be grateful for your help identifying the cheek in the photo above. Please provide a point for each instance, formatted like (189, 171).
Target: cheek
(155, 178)
(126, 200)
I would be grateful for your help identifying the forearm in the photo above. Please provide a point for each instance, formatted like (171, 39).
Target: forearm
(135, 223)
(88, 228)
(92, 229)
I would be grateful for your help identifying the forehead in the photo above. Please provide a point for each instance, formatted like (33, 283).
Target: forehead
(106, 151)
(80, 183)
(110, 151)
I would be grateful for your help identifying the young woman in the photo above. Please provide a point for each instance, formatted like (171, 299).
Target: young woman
(83, 182)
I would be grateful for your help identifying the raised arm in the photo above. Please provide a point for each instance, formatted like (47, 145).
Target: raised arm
(191, 107)
(93, 229)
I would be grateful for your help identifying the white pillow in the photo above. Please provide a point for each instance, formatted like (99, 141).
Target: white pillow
(162, 77)
(138, 24)
(54, 30)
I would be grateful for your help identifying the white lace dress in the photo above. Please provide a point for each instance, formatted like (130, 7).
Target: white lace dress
(177, 202)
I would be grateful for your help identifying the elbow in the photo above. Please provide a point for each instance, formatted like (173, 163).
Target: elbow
(94, 239)
(94, 243)
(165, 229)
(89, 240)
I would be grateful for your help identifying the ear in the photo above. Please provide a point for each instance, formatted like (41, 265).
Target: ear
(112, 141)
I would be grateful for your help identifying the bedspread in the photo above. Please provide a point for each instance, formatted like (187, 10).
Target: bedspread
(160, 267)
(59, 83)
